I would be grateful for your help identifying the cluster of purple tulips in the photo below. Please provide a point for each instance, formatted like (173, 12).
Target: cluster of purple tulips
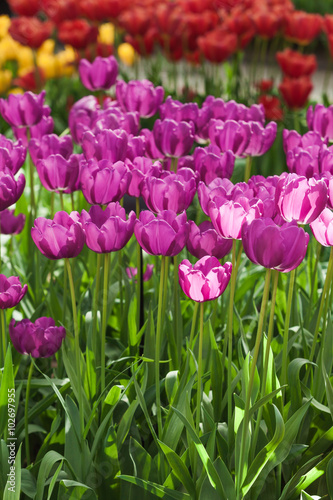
(166, 168)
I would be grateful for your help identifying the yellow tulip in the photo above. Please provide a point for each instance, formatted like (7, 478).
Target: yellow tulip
(4, 25)
(48, 63)
(65, 61)
(127, 54)
(5, 80)
(25, 58)
(106, 34)
(47, 47)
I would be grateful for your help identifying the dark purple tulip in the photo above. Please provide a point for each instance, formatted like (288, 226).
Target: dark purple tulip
(230, 135)
(311, 160)
(204, 240)
(292, 139)
(57, 173)
(12, 154)
(41, 339)
(173, 138)
(133, 271)
(107, 230)
(320, 120)
(10, 223)
(11, 291)
(170, 191)
(113, 118)
(176, 110)
(81, 116)
(300, 199)
(274, 247)
(210, 164)
(140, 168)
(22, 110)
(166, 234)
(232, 110)
(103, 181)
(10, 189)
(140, 96)
(206, 280)
(105, 145)
(62, 237)
(322, 228)
(101, 74)
(228, 217)
(45, 126)
(50, 144)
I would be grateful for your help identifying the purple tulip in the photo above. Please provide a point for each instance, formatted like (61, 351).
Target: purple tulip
(136, 147)
(140, 168)
(300, 199)
(101, 74)
(173, 138)
(22, 110)
(229, 217)
(10, 223)
(41, 339)
(166, 234)
(206, 280)
(169, 191)
(210, 164)
(81, 116)
(204, 240)
(12, 154)
(261, 138)
(274, 247)
(176, 110)
(327, 177)
(133, 271)
(10, 189)
(50, 144)
(57, 173)
(232, 110)
(105, 145)
(322, 228)
(152, 150)
(320, 120)
(11, 291)
(107, 230)
(292, 139)
(103, 181)
(43, 127)
(113, 118)
(62, 237)
(310, 161)
(140, 96)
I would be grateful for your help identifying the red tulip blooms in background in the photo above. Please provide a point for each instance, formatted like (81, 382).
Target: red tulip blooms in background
(295, 91)
(30, 31)
(294, 64)
(302, 27)
(24, 7)
(206, 280)
(60, 10)
(78, 33)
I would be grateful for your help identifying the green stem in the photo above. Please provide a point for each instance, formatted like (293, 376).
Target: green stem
(120, 280)
(61, 200)
(174, 164)
(52, 205)
(32, 190)
(194, 321)
(72, 201)
(313, 277)
(177, 332)
(245, 424)
(95, 303)
(286, 328)
(266, 360)
(199, 387)
(158, 347)
(247, 168)
(229, 340)
(3, 335)
(26, 408)
(104, 318)
(77, 344)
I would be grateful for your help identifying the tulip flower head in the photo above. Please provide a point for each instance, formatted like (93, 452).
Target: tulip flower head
(205, 240)
(173, 138)
(206, 280)
(10, 223)
(140, 96)
(22, 110)
(101, 74)
(10, 188)
(322, 228)
(12, 154)
(41, 339)
(11, 291)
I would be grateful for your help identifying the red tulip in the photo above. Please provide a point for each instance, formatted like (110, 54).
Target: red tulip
(295, 91)
(302, 27)
(30, 31)
(218, 45)
(272, 105)
(24, 7)
(267, 22)
(295, 64)
(78, 33)
(60, 10)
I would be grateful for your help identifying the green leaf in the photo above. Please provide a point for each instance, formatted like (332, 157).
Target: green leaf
(295, 384)
(54, 480)
(329, 390)
(141, 459)
(265, 454)
(51, 458)
(7, 384)
(207, 492)
(157, 489)
(305, 496)
(113, 395)
(79, 489)
(329, 477)
(179, 468)
(213, 476)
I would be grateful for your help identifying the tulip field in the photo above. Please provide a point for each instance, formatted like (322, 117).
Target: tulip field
(166, 262)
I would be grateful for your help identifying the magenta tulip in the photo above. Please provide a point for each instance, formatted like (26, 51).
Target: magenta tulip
(105, 145)
(101, 74)
(320, 120)
(173, 138)
(22, 110)
(205, 240)
(140, 96)
(10, 223)
(41, 339)
(43, 127)
(11, 291)
(107, 230)
(133, 271)
(81, 117)
(12, 154)
(292, 139)
(210, 164)
(176, 110)
(50, 144)
(103, 181)
(166, 234)
(140, 168)
(206, 280)
(10, 188)
(274, 247)
(62, 237)
(113, 118)
(322, 228)
(59, 174)
(300, 199)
